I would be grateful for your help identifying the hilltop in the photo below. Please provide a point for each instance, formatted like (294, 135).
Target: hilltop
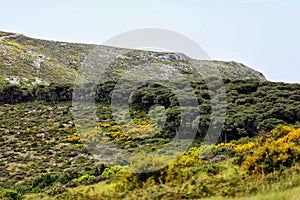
(29, 61)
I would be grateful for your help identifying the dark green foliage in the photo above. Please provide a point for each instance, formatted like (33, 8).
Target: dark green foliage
(44, 181)
(12, 93)
(252, 106)
(270, 124)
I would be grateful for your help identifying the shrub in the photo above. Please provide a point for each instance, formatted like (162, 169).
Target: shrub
(244, 147)
(269, 124)
(83, 178)
(272, 156)
(281, 131)
(292, 136)
(276, 154)
(57, 189)
(11, 195)
(44, 181)
(111, 171)
(188, 159)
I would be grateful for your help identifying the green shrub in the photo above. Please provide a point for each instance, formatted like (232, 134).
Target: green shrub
(83, 178)
(11, 195)
(211, 169)
(269, 124)
(111, 171)
(44, 181)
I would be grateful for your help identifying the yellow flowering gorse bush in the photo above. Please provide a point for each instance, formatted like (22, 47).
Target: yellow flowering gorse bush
(244, 147)
(277, 153)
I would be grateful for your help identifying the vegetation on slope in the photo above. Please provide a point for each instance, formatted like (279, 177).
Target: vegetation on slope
(44, 149)
(43, 155)
(227, 170)
(29, 61)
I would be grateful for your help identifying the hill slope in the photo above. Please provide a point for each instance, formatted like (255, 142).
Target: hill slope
(34, 61)
(42, 151)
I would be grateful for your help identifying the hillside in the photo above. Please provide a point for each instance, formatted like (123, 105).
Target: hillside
(31, 61)
(44, 153)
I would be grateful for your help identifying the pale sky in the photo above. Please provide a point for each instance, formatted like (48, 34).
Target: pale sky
(263, 34)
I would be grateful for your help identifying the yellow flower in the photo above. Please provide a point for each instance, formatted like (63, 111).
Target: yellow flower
(244, 147)
(104, 124)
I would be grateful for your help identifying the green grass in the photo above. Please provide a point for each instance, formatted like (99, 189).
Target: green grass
(100, 187)
(103, 187)
(91, 190)
(290, 194)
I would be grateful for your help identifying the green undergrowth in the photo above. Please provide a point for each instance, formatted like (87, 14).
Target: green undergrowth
(41, 147)
(209, 172)
(47, 153)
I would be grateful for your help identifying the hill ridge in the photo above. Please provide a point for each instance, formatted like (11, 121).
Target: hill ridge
(29, 61)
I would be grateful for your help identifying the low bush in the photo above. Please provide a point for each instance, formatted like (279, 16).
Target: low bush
(83, 179)
(10, 195)
(275, 153)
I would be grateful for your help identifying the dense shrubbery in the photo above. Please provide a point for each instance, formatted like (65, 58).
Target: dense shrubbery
(253, 109)
(252, 106)
(276, 152)
(12, 93)
(202, 172)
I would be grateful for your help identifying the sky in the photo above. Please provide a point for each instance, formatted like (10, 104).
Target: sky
(262, 34)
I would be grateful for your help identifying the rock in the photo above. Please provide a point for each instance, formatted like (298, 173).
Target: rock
(39, 81)
(13, 80)
(37, 63)
(72, 184)
(218, 158)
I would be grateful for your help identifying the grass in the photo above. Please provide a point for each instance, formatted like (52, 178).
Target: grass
(100, 187)
(290, 194)
(103, 187)
(91, 190)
